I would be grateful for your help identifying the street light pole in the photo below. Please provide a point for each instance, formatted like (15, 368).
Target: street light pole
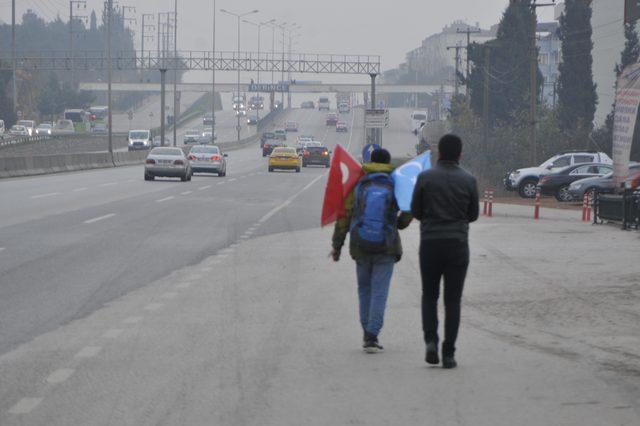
(259, 26)
(176, 101)
(239, 17)
(109, 77)
(213, 84)
(13, 55)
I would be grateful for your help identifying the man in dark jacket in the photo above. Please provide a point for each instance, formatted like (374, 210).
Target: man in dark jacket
(445, 200)
(374, 270)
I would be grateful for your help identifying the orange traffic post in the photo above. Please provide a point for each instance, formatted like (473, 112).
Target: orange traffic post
(486, 201)
(585, 206)
(490, 214)
(589, 206)
(536, 212)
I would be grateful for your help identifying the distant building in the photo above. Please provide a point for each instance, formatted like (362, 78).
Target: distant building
(549, 53)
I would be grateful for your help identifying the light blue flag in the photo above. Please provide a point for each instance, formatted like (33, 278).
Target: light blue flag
(405, 178)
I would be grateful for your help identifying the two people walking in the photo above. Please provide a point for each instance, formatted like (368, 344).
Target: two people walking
(445, 201)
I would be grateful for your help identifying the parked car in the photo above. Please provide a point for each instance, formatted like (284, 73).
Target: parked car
(18, 130)
(207, 159)
(332, 119)
(139, 140)
(291, 126)
(167, 162)
(557, 184)
(525, 181)
(63, 127)
(44, 129)
(191, 136)
(316, 156)
(602, 184)
(341, 126)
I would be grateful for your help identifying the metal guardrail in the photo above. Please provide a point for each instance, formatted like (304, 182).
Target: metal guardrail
(623, 208)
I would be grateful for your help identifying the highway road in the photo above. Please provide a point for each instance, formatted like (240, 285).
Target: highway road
(125, 302)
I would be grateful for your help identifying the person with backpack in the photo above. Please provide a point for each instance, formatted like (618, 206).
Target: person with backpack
(372, 220)
(445, 201)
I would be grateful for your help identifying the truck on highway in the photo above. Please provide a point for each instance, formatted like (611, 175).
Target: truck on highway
(323, 103)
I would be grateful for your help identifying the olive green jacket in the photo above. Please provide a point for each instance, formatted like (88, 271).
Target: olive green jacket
(343, 225)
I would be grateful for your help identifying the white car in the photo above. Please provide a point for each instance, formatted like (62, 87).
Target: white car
(17, 130)
(167, 162)
(44, 129)
(418, 119)
(63, 127)
(525, 181)
(30, 125)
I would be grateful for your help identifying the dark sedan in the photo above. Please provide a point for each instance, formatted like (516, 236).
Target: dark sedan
(269, 146)
(557, 184)
(316, 156)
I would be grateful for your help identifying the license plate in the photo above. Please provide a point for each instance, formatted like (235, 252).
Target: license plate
(164, 161)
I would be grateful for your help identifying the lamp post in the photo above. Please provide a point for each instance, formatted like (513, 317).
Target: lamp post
(259, 26)
(213, 84)
(239, 17)
(284, 27)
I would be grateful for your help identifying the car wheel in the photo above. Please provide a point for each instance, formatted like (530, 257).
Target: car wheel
(297, 169)
(528, 188)
(189, 177)
(270, 169)
(563, 194)
(148, 177)
(184, 177)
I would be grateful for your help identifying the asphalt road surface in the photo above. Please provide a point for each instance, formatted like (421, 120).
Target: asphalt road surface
(124, 302)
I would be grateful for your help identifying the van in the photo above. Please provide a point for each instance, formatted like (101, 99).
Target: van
(418, 119)
(323, 103)
(139, 140)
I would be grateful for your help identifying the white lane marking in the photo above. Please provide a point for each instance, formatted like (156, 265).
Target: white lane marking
(220, 183)
(202, 188)
(169, 295)
(60, 376)
(162, 200)
(98, 219)
(187, 193)
(51, 194)
(233, 180)
(132, 320)
(153, 306)
(113, 333)
(183, 286)
(25, 405)
(88, 352)
(289, 200)
(80, 189)
(108, 184)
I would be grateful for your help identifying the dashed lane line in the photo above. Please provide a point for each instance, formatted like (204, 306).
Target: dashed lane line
(25, 406)
(88, 352)
(154, 306)
(60, 376)
(132, 320)
(108, 184)
(162, 200)
(289, 200)
(202, 188)
(186, 193)
(233, 180)
(99, 218)
(80, 189)
(50, 194)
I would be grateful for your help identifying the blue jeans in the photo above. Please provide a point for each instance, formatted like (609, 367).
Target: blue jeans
(374, 277)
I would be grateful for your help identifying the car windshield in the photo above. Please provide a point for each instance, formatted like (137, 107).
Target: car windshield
(167, 151)
(205, 150)
(139, 135)
(419, 117)
(44, 126)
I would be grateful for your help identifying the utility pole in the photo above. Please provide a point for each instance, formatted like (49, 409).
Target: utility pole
(72, 17)
(468, 32)
(485, 98)
(213, 84)
(534, 80)
(146, 27)
(109, 76)
(176, 100)
(456, 81)
(13, 55)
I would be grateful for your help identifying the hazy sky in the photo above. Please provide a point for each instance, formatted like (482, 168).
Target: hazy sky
(387, 28)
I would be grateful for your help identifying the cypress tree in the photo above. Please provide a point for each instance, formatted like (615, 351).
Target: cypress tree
(577, 96)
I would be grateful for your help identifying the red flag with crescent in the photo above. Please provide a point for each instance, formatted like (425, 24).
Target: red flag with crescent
(344, 174)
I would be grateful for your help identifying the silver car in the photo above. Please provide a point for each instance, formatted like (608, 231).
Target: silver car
(167, 162)
(208, 159)
(191, 136)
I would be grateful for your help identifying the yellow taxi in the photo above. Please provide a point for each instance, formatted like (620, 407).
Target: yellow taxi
(284, 158)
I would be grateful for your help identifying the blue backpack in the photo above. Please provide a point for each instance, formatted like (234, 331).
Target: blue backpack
(375, 214)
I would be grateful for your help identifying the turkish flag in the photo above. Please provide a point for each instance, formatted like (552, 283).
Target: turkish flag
(344, 174)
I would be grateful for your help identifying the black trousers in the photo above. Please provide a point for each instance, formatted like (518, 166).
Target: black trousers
(449, 259)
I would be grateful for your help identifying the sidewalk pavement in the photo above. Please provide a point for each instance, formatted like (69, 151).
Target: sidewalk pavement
(266, 333)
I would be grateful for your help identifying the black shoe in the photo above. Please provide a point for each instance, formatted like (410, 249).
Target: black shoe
(372, 347)
(432, 354)
(449, 362)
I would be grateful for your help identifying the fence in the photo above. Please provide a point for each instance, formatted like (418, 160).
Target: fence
(624, 208)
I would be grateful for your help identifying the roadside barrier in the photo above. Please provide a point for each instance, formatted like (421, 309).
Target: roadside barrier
(536, 211)
(587, 204)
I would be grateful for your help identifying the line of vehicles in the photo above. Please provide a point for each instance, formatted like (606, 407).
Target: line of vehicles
(568, 176)
(173, 162)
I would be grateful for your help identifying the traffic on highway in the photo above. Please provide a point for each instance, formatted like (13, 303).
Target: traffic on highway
(234, 214)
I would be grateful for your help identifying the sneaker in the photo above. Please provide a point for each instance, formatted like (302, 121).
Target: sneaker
(432, 354)
(449, 362)
(372, 346)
